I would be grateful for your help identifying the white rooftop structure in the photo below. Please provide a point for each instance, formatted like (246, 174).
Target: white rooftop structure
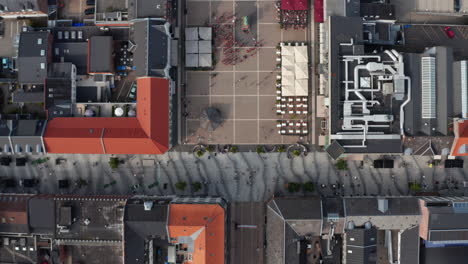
(428, 87)
(205, 33)
(204, 60)
(191, 46)
(204, 46)
(191, 33)
(191, 60)
(294, 70)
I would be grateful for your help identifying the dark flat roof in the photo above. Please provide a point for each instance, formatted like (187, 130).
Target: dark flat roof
(410, 245)
(100, 54)
(85, 94)
(369, 206)
(452, 255)
(150, 56)
(74, 52)
(299, 208)
(146, 9)
(42, 215)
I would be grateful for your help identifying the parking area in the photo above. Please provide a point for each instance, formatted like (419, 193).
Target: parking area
(244, 91)
(11, 28)
(74, 10)
(417, 37)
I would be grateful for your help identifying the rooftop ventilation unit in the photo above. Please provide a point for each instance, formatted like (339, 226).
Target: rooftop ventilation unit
(148, 205)
(383, 205)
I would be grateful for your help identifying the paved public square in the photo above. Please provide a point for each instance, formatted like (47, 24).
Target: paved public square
(245, 93)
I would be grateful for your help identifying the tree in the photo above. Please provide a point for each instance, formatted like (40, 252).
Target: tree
(196, 186)
(81, 183)
(260, 150)
(414, 187)
(308, 186)
(294, 187)
(210, 148)
(341, 164)
(200, 153)
(281, 149)
(114, 162)
(181, 185)
(233, 149)
(296, 152)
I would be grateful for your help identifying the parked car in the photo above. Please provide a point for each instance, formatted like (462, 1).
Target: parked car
(29, 183)
(449, 32)
(8, 183)
(89, 11)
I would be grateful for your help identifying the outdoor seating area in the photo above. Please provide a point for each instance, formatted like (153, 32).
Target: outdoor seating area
(294, 14)
(292, 91)
(291, 127)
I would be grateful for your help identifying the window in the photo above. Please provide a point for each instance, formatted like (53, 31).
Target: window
(39, 41)
(42, 65)
(42, 52)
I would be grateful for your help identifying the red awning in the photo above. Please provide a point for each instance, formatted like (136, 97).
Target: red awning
(318, 11)
(294, 4)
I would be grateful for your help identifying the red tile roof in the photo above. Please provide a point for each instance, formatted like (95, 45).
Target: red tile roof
(148, 133)
(461, 138)
(205, 223)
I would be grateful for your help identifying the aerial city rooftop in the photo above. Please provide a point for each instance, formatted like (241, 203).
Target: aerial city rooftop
(161, 87)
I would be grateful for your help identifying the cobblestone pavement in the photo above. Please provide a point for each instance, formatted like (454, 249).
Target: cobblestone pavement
(236, 177)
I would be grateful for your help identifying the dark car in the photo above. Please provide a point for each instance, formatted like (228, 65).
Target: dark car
(8, 183)
(29, 183)
(89, 11)
(63, 184)
(90, 2)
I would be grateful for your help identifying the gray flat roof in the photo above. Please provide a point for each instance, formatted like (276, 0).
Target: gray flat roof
(150, 57)
(18, 5)
(298, 208)
(452, 255)
(42, 215)
(410, 245)
(100, 54)
(74, 52)
(368, 206)
(32, 57)
(147, 9)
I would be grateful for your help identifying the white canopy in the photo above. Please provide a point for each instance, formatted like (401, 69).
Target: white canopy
(301, 71)
(300, 54)
(288, 90)
(301, 87)
(294, 70)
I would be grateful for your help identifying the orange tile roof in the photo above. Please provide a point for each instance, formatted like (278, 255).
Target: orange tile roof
(206, 220)
(461, 137)
(148, 133)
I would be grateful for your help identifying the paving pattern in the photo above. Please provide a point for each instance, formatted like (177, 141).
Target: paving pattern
(236, 177)
(245, 92)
